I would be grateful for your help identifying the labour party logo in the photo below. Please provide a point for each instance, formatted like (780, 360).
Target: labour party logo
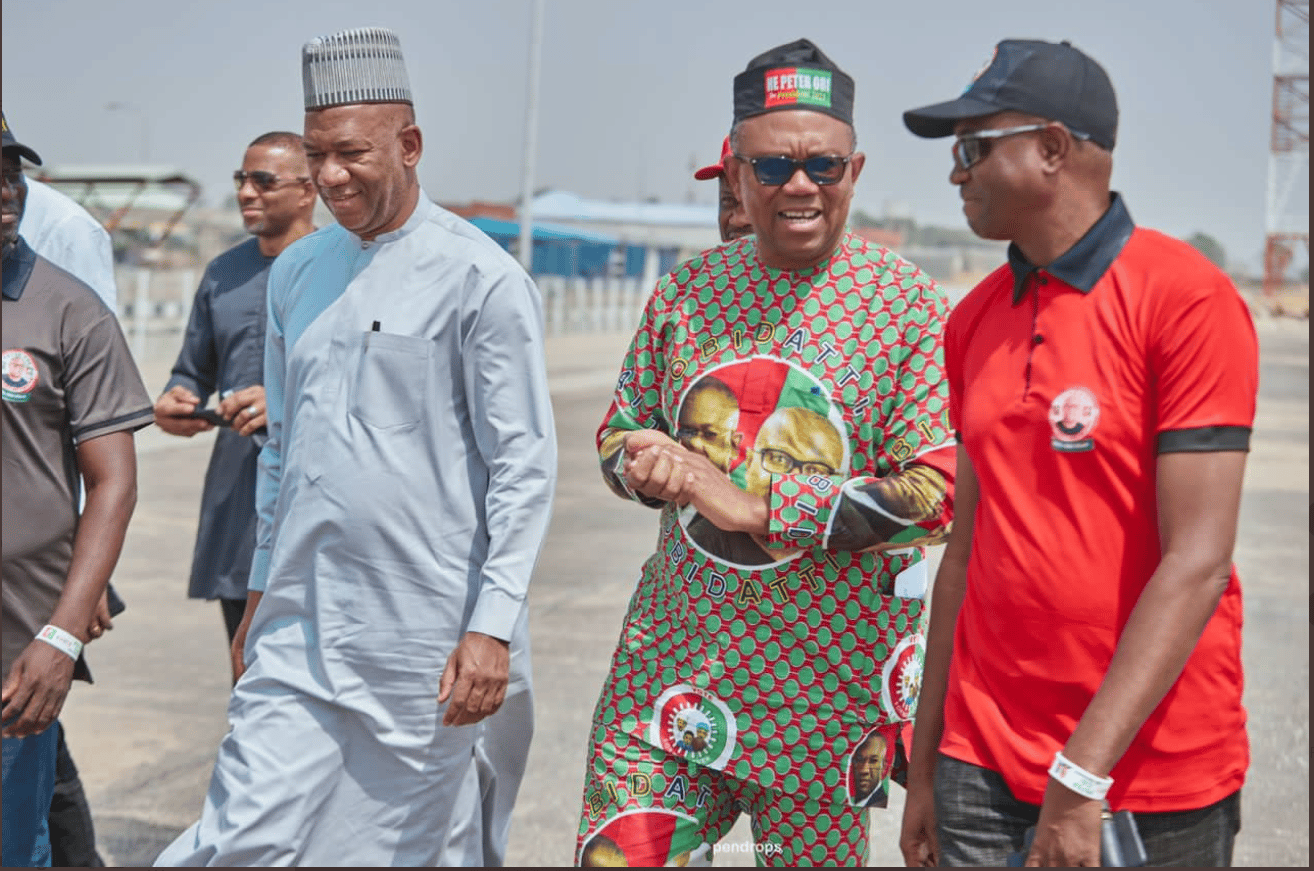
(19, 376)
(901, 679)
(1073, 416)
(692, 723)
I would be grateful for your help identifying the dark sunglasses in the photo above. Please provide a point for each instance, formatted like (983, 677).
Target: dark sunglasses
(775, 171)
(972, 148)
(264, 181)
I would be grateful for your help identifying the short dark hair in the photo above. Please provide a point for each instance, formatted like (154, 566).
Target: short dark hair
(278, 137)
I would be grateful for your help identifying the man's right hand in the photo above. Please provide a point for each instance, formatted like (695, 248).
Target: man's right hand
(170, 411)
(239, 637)
(656, 466)
(917, 839)
(35, 689)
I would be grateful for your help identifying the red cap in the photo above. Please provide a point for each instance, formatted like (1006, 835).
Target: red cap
(716, 170)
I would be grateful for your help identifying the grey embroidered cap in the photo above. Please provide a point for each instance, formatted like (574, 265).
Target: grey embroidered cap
(362, 65)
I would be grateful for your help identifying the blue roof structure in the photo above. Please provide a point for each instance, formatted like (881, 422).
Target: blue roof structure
(496, 228)
(557, 250)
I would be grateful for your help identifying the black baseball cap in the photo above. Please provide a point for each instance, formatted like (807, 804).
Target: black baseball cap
(11, 144)
(796, 75)
(1053, 80)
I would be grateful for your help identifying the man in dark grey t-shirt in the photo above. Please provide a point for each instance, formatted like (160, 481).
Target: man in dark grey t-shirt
(70, 399)
(223, 354)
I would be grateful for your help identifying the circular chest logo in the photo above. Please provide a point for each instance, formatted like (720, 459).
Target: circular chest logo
(18, 374)
(1073, 416)
(901, 679)
(691, 723)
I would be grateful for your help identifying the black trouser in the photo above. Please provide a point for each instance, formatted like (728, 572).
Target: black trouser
(72, 835)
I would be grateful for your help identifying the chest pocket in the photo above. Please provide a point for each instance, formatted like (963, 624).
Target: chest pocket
(391, 380)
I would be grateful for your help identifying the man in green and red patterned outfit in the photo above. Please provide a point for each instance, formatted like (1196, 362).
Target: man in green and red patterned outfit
(784, 404)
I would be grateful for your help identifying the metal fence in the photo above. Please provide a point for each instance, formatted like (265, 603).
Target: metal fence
(155, 303)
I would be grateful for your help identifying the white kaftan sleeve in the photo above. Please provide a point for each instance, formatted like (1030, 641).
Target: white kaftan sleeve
(507, 391)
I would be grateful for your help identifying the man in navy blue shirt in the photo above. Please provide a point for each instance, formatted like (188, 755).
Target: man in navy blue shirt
(223, 355)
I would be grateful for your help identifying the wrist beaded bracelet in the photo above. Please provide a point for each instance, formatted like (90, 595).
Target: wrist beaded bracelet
(1078, 779)
(64, 642)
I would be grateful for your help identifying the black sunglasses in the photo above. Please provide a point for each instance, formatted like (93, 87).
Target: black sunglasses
(264, 181)
(775, 171)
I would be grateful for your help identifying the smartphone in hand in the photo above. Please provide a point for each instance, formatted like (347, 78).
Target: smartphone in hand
(211, 415)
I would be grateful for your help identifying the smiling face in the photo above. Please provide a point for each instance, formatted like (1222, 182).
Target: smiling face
(798, 223)
(1006, 185)
(271, 213)
(362, 158)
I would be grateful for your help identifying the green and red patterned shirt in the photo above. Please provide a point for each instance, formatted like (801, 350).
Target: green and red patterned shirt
(774, 658)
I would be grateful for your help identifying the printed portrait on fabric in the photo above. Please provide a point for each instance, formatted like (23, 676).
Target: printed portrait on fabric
(869, 769)
(755, 419)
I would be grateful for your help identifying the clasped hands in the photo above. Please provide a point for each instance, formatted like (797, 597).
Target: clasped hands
(661, 468)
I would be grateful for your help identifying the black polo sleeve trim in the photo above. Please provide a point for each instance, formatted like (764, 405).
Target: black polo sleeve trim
(105, 427)
(1205, 438)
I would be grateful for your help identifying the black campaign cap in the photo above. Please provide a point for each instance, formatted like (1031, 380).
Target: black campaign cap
(797, 75)
(1048, 79)
(11, 144)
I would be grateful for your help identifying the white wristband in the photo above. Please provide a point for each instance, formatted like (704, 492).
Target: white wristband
(64, 642)
(1078, 779)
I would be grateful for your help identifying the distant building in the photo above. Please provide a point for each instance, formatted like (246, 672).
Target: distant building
(892, 239)
(647, 239)
(654, 236)
(558, 250)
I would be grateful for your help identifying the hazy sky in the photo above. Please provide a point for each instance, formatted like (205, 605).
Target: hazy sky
(633, 94)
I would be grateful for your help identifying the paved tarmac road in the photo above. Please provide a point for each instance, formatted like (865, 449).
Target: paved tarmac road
(145, 734)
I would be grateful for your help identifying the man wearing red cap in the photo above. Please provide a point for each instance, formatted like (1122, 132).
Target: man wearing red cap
(778, 625)
(1085, 648)
(729, 216)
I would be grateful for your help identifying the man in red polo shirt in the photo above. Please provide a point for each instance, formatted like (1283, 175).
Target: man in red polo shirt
(1085, 642)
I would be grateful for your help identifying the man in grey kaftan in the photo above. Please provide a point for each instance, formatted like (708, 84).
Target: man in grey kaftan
(404, 492)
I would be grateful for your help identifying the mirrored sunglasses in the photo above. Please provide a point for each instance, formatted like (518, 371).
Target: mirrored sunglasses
(972, 148)
(775, 171)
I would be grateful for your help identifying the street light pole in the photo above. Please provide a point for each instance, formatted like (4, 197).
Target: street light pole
(526, 250)
(117, 106)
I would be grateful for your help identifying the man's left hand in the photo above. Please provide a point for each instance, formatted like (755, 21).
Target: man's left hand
(35, 689)
(1068, 832)
(475, 678)
(245, 408)
(101, 620)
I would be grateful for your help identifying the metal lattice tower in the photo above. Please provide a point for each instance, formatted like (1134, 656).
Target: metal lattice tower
(1287, 219)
